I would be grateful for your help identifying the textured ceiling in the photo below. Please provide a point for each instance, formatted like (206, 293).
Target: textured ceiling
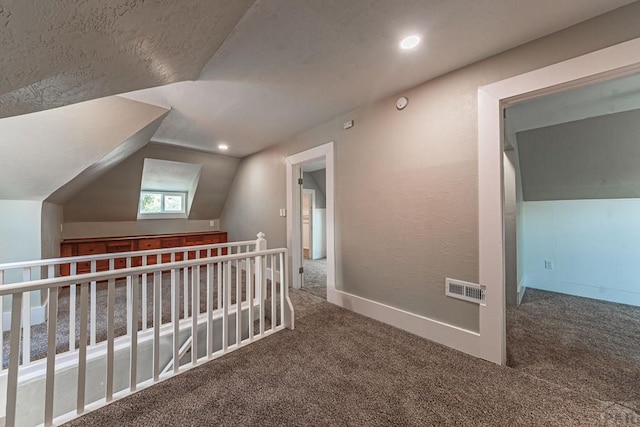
(54, 53)
(291, 65)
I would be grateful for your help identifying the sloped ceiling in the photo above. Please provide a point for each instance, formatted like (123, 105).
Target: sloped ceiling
(55, 53)
(43, 151)
(93, 171)
(582, 143)
(594, 158)
(608, 97)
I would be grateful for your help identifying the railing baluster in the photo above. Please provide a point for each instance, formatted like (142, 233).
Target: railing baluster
(209, 310)
(185, 284)
(282, 290)
(261, 290)
(158, 262)
(225, 305)
(133, 355)
(26, 320)
(144, 284)
(220, 296)
(52, 320)
(72, 309)
(175, 318)
(111, 306)
(157, 321)
(185, 292)
(130, 305)
(238, 304)
(94, 305)
(14, 358)
(195, 306)
(82, 349)
(249, 287)
(273, 293)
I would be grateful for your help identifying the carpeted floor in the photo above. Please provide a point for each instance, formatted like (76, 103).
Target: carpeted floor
(586, 345)
(315, 277)
(340, 368)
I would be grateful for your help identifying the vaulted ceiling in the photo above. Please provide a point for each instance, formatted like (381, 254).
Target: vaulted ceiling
(245, 72)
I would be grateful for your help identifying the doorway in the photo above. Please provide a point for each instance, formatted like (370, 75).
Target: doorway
(572, 237)
(615, 61)
(310, 177)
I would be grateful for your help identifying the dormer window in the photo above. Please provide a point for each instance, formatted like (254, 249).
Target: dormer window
(162, 202)
(167, 189)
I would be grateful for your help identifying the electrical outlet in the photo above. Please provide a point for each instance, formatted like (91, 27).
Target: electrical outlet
(548, 265)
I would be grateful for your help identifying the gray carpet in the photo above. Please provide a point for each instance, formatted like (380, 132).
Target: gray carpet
(340, 368)
(586, 345)
(315, 277)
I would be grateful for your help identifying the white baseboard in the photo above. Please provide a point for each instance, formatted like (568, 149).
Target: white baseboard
(587, 291)
(522, 288)
(37, 317)
(434, 330)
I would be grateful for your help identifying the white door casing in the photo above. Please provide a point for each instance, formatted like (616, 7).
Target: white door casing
(606, 64)
(294, 217)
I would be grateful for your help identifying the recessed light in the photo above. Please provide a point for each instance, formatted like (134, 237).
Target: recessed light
(223, 147)
(410, 42)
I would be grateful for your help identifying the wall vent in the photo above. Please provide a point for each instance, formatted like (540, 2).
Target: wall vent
(465, 291)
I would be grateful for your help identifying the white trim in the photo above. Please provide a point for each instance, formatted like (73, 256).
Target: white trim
(434, 330)
(37, 316)
(293, 163)
(522, 289)
(605, 64)
(312, 206)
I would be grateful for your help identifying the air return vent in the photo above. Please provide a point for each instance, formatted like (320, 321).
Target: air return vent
(465, 291)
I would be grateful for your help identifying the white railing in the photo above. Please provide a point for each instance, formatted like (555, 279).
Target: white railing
(231, 300)
(33, 270)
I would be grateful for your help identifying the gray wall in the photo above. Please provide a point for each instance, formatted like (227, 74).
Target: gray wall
(407, 182)
(114, 196)
(595, 158)
(316, 181)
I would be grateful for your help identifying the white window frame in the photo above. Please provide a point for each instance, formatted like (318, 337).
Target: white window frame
(163, 214)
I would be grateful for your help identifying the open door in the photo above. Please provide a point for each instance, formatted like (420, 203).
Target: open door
(294, 167)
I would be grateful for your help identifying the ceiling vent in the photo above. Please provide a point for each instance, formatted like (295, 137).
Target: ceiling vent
(465, 291)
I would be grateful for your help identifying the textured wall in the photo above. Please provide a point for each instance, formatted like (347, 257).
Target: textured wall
(53, 53)
(406, 182)
(115, 195)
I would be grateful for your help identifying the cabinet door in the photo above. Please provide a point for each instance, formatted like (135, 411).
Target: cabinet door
(92, 248)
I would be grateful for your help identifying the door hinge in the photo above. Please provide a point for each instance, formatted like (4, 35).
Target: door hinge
(300, 181)
(301, 270)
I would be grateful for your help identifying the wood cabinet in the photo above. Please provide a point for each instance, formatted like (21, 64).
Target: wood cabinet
(104, 245)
